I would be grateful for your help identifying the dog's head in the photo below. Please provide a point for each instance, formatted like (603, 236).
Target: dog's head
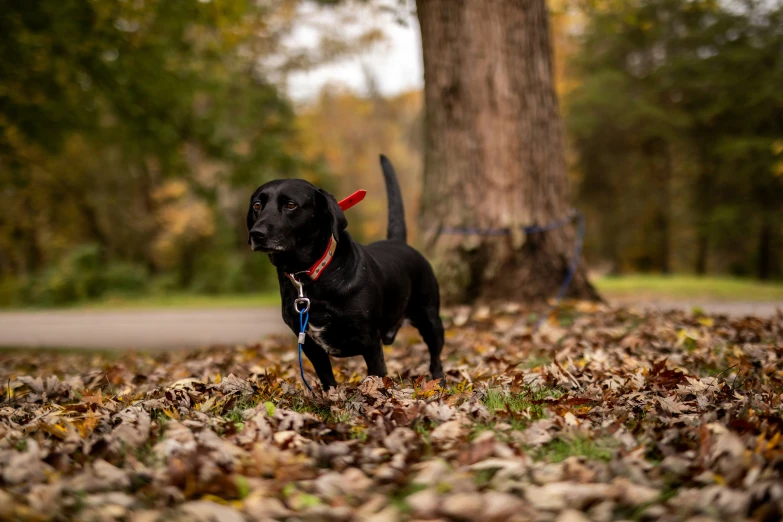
(290, 216)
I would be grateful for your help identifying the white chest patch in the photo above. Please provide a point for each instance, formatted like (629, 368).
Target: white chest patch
(316, 334)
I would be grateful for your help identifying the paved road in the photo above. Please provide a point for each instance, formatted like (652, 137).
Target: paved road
(731, 308)
(151, 329)
(148, 329)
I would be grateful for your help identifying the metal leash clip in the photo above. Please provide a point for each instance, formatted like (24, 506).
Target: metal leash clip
(301, 299)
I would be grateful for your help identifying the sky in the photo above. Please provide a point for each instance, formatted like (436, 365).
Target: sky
(395, 63)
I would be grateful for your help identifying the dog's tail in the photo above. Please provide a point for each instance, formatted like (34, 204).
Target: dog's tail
(396, 228)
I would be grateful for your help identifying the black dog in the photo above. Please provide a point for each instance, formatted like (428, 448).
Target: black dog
(359, 295)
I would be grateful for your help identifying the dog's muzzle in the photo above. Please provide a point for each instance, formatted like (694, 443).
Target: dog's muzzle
(261, 242)
(258, 239)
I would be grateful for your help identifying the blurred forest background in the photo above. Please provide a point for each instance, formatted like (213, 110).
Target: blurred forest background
(133, 132)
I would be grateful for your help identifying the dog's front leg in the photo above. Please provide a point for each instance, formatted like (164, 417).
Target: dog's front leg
(321, 363)
(376, 365)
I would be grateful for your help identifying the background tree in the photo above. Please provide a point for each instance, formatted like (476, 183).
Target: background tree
(494, 153)
(678, 131)
(130, 136)
(343, 132)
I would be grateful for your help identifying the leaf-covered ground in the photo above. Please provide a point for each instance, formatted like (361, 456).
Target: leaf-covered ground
(603, 414)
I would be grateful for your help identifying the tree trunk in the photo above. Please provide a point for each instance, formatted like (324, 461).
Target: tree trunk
(494, 151)
(659, 160)
(702, 203)
(764, 252)
(149, 171)
(701, 251)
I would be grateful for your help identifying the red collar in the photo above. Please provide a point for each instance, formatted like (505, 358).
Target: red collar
(315, 271)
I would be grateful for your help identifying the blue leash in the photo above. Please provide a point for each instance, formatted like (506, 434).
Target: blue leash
(304, 317)
(535, 229)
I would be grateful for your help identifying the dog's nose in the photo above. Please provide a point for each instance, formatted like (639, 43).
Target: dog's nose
(259, 232)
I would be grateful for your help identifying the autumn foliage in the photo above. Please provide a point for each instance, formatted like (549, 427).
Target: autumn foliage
(602, 413)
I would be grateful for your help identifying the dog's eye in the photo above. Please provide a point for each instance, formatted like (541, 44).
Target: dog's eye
(257, 206)
(290, 205)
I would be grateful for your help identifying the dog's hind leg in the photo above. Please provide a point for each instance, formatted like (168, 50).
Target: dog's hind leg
(429, 325)
(376, 365)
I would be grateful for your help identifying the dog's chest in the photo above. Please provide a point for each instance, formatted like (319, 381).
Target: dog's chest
(319, 335)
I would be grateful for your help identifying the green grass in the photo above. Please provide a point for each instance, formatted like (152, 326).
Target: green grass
(536, 360)
(517, 402)
(559, 449)
(301, 405)
(631, 286)
(556, 450)
(186, 300)
(497, 400)
(181, 300)
(398, 497)
(636, 287)
(688, 287)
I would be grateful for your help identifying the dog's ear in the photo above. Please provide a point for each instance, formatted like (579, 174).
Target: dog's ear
(338, 221)
(249, 221)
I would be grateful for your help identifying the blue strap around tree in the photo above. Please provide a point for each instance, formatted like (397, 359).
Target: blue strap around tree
(535, 229)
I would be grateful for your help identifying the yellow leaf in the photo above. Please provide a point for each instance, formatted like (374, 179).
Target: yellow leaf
(218, 379)
(773, 442)
(760, 442)
(88, 425)
(56, 430)
(215, 499)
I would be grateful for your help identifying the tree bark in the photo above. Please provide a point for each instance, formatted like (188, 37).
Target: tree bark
(494, 151)
(659, 160)
(764, 252)
(701, 251)
(702, 203)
